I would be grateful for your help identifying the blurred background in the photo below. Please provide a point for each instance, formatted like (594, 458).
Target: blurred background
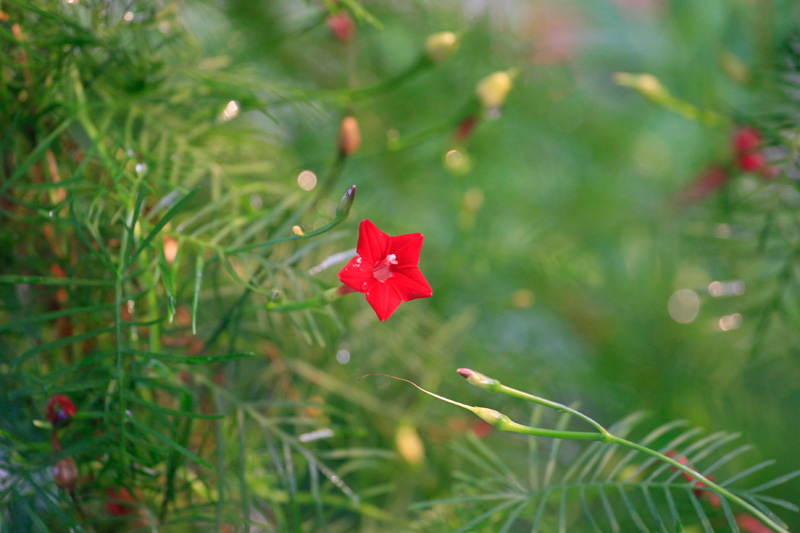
(576, 245)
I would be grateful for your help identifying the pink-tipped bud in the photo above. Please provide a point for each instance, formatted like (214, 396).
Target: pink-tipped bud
(60, 410)
(343, 210)
(479, 380)
(746, 139)
(349, 136)
(342, 26)
(65, 474)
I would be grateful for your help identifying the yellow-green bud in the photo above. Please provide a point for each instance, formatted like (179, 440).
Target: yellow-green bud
(490, 416)
(647, 84)
(493, 89)
(439, 47)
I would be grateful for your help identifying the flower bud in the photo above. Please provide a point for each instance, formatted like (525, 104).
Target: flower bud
(493, 89)
(647, 84)
(349, 136)
(342, 26)
(275, 295)
(346, 203)
(60, 411)
(65, 474)
(490, 416)
(410, 445)
(297, 230)
(479, 380)
(439, 47)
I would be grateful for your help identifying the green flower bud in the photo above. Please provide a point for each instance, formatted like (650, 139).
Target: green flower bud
(346, 203)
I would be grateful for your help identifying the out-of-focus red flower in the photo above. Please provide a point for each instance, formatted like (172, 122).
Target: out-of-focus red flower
(60, 410)
(752, 161)
(342, 26)
(750, 524)
(746, 139)
(117, 497)
(710, 497)
(386, 269)
(711, 180)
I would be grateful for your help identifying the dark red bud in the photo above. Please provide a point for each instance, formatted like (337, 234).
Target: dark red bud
(60, 410)
(65, 474)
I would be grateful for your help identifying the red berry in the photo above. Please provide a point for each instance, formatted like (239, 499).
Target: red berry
(752, 161)
(60, 410)
(746, 139)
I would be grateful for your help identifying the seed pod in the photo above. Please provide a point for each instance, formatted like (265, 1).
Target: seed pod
(441, 46)
(65, 474)
(349, 136)
(60, 410)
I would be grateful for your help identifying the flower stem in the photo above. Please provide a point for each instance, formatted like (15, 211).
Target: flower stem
(504, 423)
(613, 439)
(323, 298)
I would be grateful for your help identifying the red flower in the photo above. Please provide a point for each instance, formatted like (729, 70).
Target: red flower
(711, 497)
(387, 270)
(60, 410)
(342, 26)
(746, 139)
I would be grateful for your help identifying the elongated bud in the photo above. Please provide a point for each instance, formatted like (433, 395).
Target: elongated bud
(439, 47)
(490, 416)
(647, 84)
(349, 136)
(346, 203)
(493, 89)
(479, 380)
(60, 411)
(65, 474)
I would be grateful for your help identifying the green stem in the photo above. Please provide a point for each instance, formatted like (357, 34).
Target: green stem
(503, 423)
(323, 298)
(553, 405)
(612, 439)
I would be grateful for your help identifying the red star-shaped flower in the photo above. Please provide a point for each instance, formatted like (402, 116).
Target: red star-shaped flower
(387, 269)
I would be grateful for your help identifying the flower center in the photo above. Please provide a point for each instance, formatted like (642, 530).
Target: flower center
(382, 269)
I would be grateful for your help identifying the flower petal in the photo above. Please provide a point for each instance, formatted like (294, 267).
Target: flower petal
(410, 283)
(384, 299)
(357, 274)
(406, 248)
(372, 242)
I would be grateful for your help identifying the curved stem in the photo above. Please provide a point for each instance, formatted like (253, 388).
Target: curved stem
(553, 405)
